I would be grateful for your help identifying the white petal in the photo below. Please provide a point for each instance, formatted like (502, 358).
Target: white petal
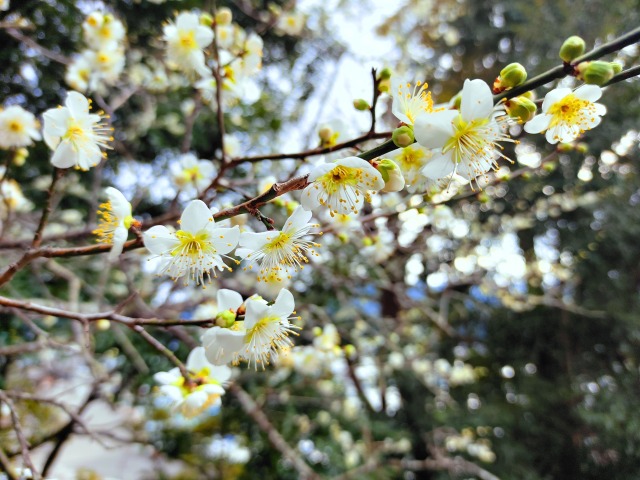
(224, 239)
(64, 156)
(77, 104)
(119, 238)
(222, 344)
(432, 130)
(197, 360)
(477, 100)
(159, 240)
(55, 124)
(439, 166)
(321, 170)
(309, 199)
(284, 305)
(256, 240)
(600, 109)
(204, 36)
(195, 217)
(228, 299)
(298, 220)
(590, 93)
(256, 310)
(119, 204)
(538, 124)
(220, 373)
(167, 378)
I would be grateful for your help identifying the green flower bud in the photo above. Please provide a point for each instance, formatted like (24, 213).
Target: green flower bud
(596, 72)
(384, 85)
(582, 147)
(391, 174)
(521, 108)
(206, 19)
(343, 237)
(225, 319)
(385, 74)
(617, 68)
(361, 104)
(512, 75)
(572, 48)
(403, 136)
(367, 241)
(565, 147)
(350, 351)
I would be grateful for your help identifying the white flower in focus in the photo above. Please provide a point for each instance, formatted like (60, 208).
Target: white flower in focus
(291, 23)
(185, 41)
(76, 135)
(262, 335)
(115, 220)
(196, 249)
(566, 115)
(280, 251)
(18, 127)
(342, 186)
(223, 344)
(102, 29)
(191, 174)
(202, 390)
(409, 101)
(467, 141)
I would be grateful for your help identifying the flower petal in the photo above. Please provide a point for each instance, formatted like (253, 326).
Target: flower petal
(554, 96)
(77, 104)
(477, 100)
(284, 305)
(64, 156)
(439, 166)
(195, 217)
(228, 299)
(591, 93)
(256, 310)
(159, 240)
(432, 130)
(298, 220)
(538, 124)
(222, 344)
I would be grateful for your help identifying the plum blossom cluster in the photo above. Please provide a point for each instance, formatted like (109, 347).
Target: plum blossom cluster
(102, 62)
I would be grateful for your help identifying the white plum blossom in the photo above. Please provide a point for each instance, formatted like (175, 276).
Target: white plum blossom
(102, 29)
(342, 186)
(466, 142)
(278, 252)
(262, 335)
(291, 23)
(76, 135)
(186, 39)
(191, 174)
(18, 128)
(196, 249)
(567, 114)
(115, 221)
(202, 390)
(412, 160)
(409, 100)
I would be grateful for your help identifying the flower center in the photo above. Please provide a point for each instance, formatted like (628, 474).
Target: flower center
(415, 101)
(188, 40)
(278, 243)
(192, 245)
(74, 132)
(568, 110)
(468, 138)
(411, 157)
(338, 177)
(108, 223)
(15, 126)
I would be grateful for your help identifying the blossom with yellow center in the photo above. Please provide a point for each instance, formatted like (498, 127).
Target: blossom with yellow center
(410, 100)
(201, 390)
(412, 160)
(262, 335)
(566, 115)
(191, 174)
(102, 29)
(278, 252)
(466, 141)
(342, 186)
(291, 23)
(186, 40)
(115, 221)
(18, 127)
(196, 249)
(76, 135)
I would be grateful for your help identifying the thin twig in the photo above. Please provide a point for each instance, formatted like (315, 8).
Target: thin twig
(24, 445)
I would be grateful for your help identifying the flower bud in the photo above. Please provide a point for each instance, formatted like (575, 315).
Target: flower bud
(391, 174)
(103, 324)
(20, 156)
(403, 136)
(384, 86)
(223, 16)
(225, 319)
(361, 104)
(206, 19)
(367, 241)
(572, 48)
(521, 108)
(325, 133)
(596, 72)
(385, 74)
(511, 76)
(617, 68)
(350, 351)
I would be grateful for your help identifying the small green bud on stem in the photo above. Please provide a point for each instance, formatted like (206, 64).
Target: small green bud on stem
(572, 48)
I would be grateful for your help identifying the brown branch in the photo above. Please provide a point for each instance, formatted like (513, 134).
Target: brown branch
(24, 445)
(250, 407)
(28, 41)
(163, 350)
